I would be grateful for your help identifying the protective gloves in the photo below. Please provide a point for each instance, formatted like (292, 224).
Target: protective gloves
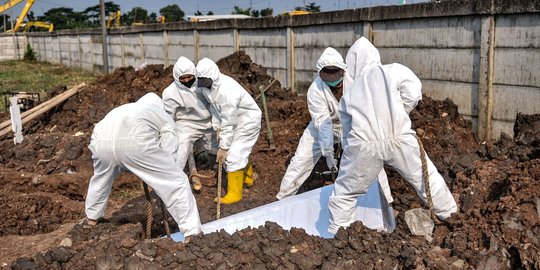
(221, 155)
(331, 162)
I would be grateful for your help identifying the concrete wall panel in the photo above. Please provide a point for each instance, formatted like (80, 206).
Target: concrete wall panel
(269, 38)
(216, 44)
(153, 48)
(464, 95)
(132, 53)
(87, 54)
(331, 35)
(460, 65)
(445, 32)
(517, 66)
(181, 43)
(518, 30)
(509, 100)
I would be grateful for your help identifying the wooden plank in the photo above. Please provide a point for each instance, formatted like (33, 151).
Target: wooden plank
(42, 108)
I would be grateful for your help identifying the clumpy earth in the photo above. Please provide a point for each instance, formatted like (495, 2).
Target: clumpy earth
(43, 185)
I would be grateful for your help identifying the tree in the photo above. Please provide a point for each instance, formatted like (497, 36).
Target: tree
(266, 12)
(92, 14)
(172, 13)
(153, 17)
(64, 18)
(137, 15)
(239, 10)
(210, 13)
(255, 13)
(198, 13)
(311, 7)
(7, 20)
(30, 16)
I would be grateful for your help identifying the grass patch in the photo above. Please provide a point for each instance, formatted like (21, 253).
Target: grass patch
(37, 77)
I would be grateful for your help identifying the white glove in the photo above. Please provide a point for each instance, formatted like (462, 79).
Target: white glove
(331, 162)
(221, 155)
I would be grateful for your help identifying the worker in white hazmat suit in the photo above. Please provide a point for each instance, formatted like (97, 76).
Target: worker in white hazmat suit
(376, 131)
(238, 119)
(324, 129)
(141, 138)
(189, 109)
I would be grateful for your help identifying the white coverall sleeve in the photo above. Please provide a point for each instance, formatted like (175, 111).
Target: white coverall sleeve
(320, 115)
(409, 86)
(226, 134)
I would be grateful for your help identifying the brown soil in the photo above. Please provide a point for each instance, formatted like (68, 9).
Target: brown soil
(44, 180)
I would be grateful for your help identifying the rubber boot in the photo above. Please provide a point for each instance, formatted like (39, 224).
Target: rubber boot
(250, 176)
(234, 187)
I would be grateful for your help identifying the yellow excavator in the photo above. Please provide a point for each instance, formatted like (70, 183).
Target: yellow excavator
(114, 19)
(20, 24)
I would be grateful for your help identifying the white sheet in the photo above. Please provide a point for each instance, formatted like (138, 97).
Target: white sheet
(308, 211)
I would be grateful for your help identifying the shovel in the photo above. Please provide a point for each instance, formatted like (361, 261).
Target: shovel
(266, 118)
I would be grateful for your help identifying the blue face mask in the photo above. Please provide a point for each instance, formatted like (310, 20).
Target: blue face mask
(334, 83)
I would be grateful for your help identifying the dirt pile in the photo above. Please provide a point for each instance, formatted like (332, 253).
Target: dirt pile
(495, 185)
(250, 75)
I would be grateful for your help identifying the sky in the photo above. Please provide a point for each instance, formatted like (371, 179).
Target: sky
(216, 6)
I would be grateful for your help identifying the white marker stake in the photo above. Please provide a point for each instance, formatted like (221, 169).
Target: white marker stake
(16, 123)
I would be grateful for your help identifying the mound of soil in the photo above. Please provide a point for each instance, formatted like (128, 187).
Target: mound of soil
(494, 183)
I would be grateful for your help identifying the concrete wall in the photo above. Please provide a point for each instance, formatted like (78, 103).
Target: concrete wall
(482, 54)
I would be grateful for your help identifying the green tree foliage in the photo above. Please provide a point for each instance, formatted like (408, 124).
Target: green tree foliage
(92, 14)
(239, 10)
(8, 26)
(153, 17)
(311, 7)
(64, 18)
(266, 12)
(210, 13)
(137, 15)
(173, 13)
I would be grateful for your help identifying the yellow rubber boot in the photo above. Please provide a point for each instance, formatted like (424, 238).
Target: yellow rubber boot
(235, 186)
(250, 176)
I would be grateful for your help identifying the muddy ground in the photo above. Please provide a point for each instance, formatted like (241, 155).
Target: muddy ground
(43, 184)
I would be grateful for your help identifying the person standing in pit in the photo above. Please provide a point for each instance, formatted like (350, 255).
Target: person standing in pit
(237, 118)
(186, 104)
(377, 130)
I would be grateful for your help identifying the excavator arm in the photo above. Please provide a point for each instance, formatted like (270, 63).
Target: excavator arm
(9, 4)
(46, 25)
(24, 11)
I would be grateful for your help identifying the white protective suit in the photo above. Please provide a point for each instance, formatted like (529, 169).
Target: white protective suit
(140, 137)
(323, 131)
(189, 109)
(377, 131)
(234, 113)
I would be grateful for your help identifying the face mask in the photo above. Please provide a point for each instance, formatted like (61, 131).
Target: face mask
(189, 83)
(205, 82)
(334, 83)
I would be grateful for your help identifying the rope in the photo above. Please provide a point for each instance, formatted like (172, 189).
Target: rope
(149, 211)
(167, 229)
(202, 176)
(218, 214)
(426, 181)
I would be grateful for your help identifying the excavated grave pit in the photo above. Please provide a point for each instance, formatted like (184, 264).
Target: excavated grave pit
(495, 185)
